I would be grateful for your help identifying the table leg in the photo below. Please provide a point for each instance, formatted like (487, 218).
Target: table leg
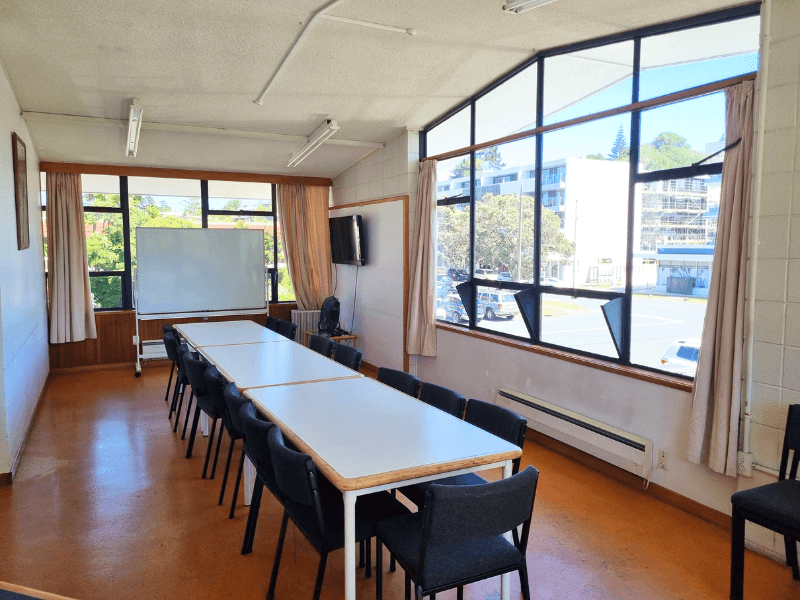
(350, 546)
(249, 481)
(204, 423)
(505, 580)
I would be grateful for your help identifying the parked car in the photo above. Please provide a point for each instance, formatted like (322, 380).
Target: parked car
(457, 274)
(454, 309)
(444, 289)
(498, 304)
(681, 357)
(504, 276)
(551, 281)
(485, 274)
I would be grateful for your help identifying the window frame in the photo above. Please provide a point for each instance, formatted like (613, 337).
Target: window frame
(676, 176)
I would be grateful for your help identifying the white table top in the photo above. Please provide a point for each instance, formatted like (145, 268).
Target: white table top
(362, 433)
(261, 365)
(226, 333)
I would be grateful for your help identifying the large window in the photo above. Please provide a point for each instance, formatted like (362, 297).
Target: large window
(593, 231)
(115, 206)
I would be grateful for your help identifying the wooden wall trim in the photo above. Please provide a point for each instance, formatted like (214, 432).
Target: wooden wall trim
(121, 170)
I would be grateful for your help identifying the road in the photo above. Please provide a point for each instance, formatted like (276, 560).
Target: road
(658, 321)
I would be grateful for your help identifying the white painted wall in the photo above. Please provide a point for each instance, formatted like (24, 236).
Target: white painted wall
(23, 312)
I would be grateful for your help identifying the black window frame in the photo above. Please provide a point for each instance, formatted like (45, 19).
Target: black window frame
(539, 62)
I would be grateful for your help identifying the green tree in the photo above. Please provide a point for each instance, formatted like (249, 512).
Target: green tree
(597, 156)
(233, 205)
(191, 207)
(619, 149)
(668, 151)
(488, 159)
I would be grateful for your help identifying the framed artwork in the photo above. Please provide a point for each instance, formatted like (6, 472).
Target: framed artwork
(21, 191)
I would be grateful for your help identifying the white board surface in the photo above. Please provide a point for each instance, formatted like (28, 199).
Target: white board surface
(194, 270)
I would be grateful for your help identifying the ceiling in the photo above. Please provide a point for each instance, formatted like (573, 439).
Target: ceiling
(197, 66)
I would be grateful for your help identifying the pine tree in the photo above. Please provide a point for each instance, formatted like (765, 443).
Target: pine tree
(619, 149)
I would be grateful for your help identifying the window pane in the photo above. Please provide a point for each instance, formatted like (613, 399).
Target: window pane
(505, 211)
(105, 244)
(507, 109)
(237, 195)
(675, 229)
(106, 291)
(43, 193)
(449, 135)
(452, 178)
(499, 312)
(679, 134)
(285, 289)
(452, 257)
(683, 59)
(100, 190)
(160, 202)
(588, 81)
(585, 205)
(576, 323)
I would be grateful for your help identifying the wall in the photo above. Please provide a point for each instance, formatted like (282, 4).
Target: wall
(23, 313)
(390, 171)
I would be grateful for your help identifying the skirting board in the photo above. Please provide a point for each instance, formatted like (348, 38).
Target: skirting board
(369, 370)
(688, 505)
(8, 478)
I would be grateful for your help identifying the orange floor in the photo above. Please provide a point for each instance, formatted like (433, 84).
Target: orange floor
(105, 506)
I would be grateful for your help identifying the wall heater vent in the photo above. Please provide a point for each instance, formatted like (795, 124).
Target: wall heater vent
(306, 320)
(618, 447)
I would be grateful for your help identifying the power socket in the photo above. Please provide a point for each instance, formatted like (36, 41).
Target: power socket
(745, 463)
(136, 340)
(663, 459)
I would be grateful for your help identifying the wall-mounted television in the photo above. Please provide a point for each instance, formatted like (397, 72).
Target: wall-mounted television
(347, 241)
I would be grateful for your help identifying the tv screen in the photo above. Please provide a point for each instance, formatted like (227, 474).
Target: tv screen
(347, 241)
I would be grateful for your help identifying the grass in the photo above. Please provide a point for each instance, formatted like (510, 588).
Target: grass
(551, 308)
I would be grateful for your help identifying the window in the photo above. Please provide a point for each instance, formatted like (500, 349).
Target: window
(561, 238)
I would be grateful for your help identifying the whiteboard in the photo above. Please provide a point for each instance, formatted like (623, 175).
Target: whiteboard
(193, 270)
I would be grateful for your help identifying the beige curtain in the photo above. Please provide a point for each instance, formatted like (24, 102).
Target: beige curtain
(421, 333)
(69, 291)
(303, 214)
(714, 422)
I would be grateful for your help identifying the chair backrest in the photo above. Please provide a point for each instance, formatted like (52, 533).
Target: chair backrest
(466, 513)
(272, 323)
(195, 371)
(400, 380)
(234, 402)
(255, 435)
(183, 350)
(287, 329)
(443, 398)
(348, 356)
(215, 388)
(504, 423)
(166, 327)
(791, 441)
(171, 344)
(321, 344)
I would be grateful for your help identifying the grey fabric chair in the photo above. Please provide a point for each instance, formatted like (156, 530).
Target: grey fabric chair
(287, 329)
(775, 506)
(317, 508)
(348, 356)
(400, 380)
(171, 340)
(458, 538)
(180, 390)
(234, 402)
(322, 345)
(444, 399)
(272, 323)
(215, 387)
(195, 369)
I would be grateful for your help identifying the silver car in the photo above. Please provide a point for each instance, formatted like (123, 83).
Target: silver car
(498, 304)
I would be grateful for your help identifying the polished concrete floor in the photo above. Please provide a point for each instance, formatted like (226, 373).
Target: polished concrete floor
(105, 506)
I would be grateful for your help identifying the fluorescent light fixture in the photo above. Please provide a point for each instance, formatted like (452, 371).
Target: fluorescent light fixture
(315, 140)
(369, 24)
(134, 127)
(520, 6)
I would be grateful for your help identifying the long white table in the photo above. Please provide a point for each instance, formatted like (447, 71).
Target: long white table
(367, 437)
(226, 333)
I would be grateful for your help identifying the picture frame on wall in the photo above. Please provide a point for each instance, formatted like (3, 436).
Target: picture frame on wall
(20, 158)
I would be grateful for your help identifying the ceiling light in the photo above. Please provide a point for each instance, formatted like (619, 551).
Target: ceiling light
(520, 6)
(134, 127)
(321, 133)
(369, 24)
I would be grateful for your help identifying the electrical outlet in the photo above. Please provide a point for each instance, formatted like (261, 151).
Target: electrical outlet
(663, 459)
(745, 464)
(136, 340)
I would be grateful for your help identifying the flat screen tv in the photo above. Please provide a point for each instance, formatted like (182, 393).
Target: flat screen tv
(347, 241)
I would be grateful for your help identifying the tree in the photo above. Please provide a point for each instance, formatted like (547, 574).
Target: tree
(597, 156)
(619, 149)
(488, 158)
(668, 151)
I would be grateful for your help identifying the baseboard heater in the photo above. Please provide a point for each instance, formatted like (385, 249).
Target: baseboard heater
(306, 320)
(613, 445)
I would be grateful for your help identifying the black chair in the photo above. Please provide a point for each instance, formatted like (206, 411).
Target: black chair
(503, 423)
(348, 356)
(322, 345)
(234, 402)
(444, 399)
(272, 323)
(317, 508)
(215, 387)
(287, 329)
(775, 506)
(171, 348)
(400, 380)
(458, 538)
(179, 391)
(195, 369)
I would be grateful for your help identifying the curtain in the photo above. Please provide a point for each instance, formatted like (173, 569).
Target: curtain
(421, 333)
(714, 421)
(303, 214)
(69, 291)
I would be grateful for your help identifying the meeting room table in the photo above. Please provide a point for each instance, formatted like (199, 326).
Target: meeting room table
(226, 333)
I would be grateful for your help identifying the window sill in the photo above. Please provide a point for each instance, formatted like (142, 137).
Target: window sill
(634, 373)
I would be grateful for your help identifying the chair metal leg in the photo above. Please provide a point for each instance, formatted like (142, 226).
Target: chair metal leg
(227, 470)
(418, 593)
(176, 392)
(252, 517)
(169, 383)
(194, 430)
(236, 487)
(277, 562)
(361, 554)
(188, 410)
(737, 556)
(216, 454)
(392, 563)
(791, 555)
(407, 595)
(210, 445)
(323, 561)
(368, 570)
(460, 593)
(378, 569)
(523, 580)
